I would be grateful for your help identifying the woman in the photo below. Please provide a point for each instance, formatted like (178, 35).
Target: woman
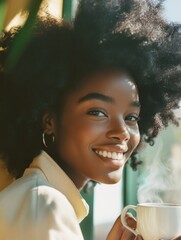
(79, 102)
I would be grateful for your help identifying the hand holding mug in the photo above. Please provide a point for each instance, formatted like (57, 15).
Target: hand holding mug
(155, 220)
(119, 232)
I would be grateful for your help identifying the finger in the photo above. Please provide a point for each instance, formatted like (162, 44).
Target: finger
(131, 221)
(118, 231)
(177, 238)
(138, 237)
(127, 235)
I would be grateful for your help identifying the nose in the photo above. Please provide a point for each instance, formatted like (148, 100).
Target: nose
(119, 131)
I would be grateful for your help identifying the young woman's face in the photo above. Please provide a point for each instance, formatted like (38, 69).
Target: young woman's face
(98, 129)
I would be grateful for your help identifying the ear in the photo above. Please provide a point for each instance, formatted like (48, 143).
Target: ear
(49, 123)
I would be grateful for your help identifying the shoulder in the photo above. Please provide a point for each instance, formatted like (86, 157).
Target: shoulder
(53, 213)
(39, 208)
(37, 192)
(50, 199)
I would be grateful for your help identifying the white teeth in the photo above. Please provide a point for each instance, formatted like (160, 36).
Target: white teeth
(100, 153)
(104, 154)
(112, 155)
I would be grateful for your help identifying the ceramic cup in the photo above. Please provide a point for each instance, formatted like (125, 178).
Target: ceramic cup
(155, 220)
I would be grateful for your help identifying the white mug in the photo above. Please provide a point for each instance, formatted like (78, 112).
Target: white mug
(155, 220)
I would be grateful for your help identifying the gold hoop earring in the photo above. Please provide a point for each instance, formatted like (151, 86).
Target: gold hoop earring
(50, 140)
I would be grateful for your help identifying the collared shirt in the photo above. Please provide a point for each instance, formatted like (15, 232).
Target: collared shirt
(43, 204)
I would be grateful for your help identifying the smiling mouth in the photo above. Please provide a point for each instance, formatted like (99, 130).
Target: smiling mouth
(110, 155)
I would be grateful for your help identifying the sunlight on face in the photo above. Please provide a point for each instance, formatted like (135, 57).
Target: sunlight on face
(98, 129)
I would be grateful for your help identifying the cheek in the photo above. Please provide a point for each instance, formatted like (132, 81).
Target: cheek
(77, 134)
(87, 130)
(134, 137)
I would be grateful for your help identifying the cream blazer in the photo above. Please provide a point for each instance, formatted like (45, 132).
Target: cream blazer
(42, 205)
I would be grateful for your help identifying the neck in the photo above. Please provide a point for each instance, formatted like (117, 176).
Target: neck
(77, 178)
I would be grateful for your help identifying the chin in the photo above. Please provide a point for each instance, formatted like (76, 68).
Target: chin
(112, 178)
(113, 181)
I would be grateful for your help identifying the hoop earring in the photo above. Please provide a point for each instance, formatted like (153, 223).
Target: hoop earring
(50, 141)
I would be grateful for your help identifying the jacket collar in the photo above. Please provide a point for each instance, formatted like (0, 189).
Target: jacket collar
(58, 178)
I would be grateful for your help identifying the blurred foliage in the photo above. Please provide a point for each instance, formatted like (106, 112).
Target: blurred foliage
(67, 10)
(24, 35)
(2, 14)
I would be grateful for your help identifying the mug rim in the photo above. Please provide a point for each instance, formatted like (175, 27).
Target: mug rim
(159, 204)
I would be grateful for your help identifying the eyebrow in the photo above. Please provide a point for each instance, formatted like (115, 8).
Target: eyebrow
(104, 98)
(136, 104)
(98, 96)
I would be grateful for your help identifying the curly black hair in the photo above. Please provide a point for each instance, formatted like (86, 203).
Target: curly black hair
(120, 35)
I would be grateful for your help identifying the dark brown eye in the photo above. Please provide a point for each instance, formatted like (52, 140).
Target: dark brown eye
(132, 118)
(97, 113)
